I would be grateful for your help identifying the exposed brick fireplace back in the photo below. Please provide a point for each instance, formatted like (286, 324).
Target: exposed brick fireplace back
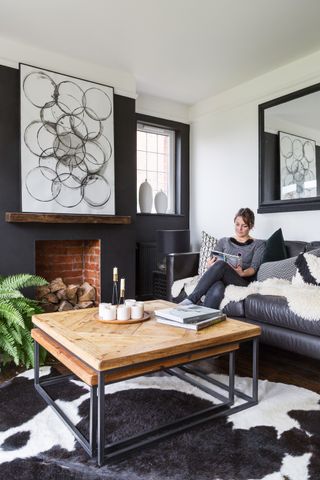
(76, 261)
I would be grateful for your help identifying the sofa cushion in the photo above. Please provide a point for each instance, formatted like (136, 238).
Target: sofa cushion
(275, 248)
(312, 245)
(208, 243)
(285, 269)
(294, 247)
(274, 310)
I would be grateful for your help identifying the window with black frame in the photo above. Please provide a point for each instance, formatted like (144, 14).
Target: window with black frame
(155, 169)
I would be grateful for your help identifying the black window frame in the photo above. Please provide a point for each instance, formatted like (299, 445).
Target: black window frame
(181, 164)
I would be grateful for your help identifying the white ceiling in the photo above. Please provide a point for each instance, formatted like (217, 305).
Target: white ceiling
(183, 50)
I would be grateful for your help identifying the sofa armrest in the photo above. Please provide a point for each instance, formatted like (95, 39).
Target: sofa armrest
(180, 265)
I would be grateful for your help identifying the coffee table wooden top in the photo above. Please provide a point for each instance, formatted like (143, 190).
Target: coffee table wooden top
(105, 347)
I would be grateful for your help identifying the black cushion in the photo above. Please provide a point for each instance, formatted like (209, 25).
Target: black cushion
(275, 248)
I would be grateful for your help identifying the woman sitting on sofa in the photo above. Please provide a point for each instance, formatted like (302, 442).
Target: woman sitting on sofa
(220, 273)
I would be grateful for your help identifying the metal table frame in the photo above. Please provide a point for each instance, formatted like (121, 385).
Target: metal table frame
(95, 444)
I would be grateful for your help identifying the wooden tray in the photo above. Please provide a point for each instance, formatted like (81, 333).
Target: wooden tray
(146, 316)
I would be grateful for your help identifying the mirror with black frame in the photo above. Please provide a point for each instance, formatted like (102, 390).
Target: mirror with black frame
(289, 152)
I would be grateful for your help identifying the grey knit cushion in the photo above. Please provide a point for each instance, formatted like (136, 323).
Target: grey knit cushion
(315, 252)
(285, 269)
(208, 243)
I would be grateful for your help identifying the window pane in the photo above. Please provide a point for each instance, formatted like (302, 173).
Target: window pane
(162, 163)
(153, 180)
(152, 163)
(141, 140)
(141, 160)
(155, 161)
(152, 142)
(162, 143)
(163, 182)
(141, 176)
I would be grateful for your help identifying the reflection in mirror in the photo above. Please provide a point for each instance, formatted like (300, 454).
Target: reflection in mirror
(290, 152)
(295, 127)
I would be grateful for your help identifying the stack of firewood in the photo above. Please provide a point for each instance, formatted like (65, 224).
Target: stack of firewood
(59, 297)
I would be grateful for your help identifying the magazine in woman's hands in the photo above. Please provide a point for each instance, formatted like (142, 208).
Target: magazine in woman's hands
(233, 260)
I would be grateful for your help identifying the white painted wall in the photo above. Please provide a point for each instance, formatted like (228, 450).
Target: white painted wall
(13, 52)
(224, 156)
(162, 108)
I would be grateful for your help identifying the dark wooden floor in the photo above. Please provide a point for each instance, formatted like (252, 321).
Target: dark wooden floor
(274, 364)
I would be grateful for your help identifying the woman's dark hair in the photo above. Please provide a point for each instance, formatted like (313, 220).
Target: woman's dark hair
(247, 216)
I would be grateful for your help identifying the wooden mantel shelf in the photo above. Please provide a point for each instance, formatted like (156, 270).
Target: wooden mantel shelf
(20, 217)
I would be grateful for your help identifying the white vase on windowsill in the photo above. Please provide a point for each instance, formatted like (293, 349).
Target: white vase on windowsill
(145, 197)
(161, 202)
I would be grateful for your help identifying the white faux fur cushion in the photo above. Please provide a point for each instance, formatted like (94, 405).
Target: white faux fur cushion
(188, 284)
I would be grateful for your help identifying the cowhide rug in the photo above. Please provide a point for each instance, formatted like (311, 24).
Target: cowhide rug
(279, 439)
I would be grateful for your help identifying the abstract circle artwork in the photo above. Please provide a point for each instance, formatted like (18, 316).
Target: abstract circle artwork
(297, 166)
(67, 147)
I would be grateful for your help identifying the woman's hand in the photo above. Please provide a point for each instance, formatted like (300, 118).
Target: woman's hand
(211, 261)
(244, 273)
(239, 271)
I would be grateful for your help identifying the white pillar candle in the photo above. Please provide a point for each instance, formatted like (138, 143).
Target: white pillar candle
(122, 284)
(141, 304)
(102, 306)
(123, 312)
(108, 314)
(129, 302)
(136, 312)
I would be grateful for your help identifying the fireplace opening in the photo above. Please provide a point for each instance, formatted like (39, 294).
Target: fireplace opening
(77, 264)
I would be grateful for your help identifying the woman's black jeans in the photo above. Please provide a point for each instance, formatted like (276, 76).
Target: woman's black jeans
(213, 283)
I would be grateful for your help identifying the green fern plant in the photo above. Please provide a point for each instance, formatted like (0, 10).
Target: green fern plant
(16, 312)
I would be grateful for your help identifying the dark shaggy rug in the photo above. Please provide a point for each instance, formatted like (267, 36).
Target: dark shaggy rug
(276, 440)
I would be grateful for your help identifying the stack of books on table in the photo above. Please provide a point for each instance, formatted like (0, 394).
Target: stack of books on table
(193, 317)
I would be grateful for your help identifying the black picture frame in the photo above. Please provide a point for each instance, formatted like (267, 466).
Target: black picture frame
(269, 171)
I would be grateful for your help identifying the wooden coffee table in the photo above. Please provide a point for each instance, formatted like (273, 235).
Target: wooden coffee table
(101, 354)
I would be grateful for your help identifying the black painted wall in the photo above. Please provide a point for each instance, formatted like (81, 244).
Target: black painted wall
(17, 241)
